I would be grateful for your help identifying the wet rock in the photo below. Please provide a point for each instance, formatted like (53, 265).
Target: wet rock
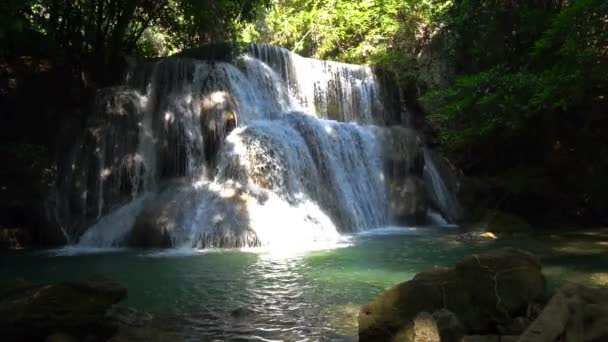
(242, 313)
(33, 312)
(574, 313)
(476, 237)
(484, 291)
(409, 201)
(450, 328)
(172, 219)
(152, 228)
(128, 316)
(422, 329)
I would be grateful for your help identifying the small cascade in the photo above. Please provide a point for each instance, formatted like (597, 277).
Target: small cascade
(266, 149)
(442, 186)
(337, 165)
(338, 91)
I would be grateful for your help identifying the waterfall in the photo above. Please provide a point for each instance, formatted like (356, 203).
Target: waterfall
(441, 186)
(338, 91)
(264, 148)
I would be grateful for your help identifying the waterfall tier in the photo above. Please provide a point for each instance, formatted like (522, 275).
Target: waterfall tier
(262, 149)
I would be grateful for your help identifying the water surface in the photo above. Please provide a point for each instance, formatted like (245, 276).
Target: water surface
(279, 295)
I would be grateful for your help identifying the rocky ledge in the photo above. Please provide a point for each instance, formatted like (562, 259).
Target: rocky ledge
(76, 310)
(495, 296)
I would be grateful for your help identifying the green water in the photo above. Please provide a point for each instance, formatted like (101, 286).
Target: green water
(243, 295)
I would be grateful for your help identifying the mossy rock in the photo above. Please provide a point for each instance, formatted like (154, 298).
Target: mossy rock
(31, 312)
(484, 291)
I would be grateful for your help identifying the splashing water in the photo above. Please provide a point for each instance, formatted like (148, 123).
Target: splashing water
(207, 154)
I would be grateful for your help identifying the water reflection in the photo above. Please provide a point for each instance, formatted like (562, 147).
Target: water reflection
(272, 301)
(288, 294)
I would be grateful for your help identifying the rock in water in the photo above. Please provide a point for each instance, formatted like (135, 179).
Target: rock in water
(484, 291)
(33, 312)
(422, 329)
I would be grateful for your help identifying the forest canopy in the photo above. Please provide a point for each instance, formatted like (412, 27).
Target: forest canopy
(103, 29)
(513, 91)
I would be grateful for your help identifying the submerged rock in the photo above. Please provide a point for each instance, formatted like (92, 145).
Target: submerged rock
(484, 291)
(34, 312)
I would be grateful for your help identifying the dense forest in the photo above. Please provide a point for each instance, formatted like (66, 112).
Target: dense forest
(512, 92)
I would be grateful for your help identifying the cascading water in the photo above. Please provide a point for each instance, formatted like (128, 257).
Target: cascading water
(441, 191)
(231, 154)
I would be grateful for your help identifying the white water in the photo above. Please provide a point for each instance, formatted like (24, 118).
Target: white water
(441, 194)
(339, 91)
(282, 178)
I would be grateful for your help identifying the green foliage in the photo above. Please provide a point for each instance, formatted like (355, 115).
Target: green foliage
(487, 33)
(193, 23)
(477, 107)
(98, 31)
(349, 31)
(527, 113)
(564, 69)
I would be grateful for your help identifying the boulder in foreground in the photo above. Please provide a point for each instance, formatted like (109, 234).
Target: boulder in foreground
(485, 292)
(33, 312)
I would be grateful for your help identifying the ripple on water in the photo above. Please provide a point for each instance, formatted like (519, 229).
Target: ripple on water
(261, 295)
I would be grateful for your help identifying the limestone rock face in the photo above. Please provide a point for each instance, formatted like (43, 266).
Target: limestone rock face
(409, 201)
(484, 291)
(33, 312)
